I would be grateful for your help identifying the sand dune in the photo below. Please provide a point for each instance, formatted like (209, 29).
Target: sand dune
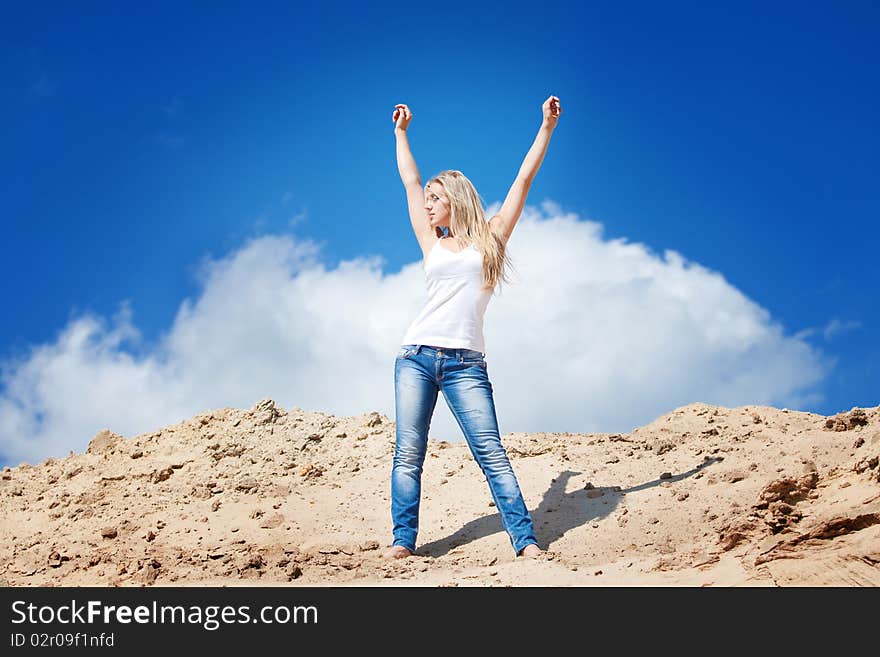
(702, 496)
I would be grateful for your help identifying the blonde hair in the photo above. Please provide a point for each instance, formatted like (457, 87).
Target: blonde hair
(469, 226)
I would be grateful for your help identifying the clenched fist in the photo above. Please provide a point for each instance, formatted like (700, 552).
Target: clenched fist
(401, 117)
(551, 109)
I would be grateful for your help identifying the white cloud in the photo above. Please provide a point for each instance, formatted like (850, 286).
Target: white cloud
(836, 327)
(297, 218)
(596, 335)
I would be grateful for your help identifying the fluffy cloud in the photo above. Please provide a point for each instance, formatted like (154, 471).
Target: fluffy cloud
(594, 335)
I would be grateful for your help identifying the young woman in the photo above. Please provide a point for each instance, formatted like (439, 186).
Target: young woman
(443, 348)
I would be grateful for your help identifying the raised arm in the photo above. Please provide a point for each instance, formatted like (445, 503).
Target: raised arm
(412, 181)
(505, 221)
(406, 163)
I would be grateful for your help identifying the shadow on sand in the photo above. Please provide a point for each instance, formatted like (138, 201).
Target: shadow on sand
(557, 513)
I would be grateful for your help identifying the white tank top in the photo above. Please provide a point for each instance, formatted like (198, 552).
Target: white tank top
(452, 316)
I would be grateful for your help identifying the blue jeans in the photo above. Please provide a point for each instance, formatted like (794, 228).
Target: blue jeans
(420, 371)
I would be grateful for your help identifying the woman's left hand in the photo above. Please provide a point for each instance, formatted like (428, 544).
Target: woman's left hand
(552, 109)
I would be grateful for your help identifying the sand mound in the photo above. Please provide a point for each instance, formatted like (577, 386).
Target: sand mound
(701, 496)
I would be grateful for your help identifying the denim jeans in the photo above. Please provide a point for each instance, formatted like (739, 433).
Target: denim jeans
(420, 371)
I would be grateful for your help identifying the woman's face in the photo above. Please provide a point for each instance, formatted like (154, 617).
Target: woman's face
(437, 205)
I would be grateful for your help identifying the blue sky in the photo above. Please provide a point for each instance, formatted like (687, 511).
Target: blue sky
(146, 146)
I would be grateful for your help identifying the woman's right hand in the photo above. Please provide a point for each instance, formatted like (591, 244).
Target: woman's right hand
(401, 117)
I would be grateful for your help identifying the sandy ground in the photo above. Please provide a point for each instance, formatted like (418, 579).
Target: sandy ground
(702, 496)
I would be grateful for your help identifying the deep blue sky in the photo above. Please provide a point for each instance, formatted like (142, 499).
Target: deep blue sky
(136, 141)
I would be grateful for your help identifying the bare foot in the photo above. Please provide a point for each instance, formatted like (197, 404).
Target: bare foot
(397, 552)
(531, 551)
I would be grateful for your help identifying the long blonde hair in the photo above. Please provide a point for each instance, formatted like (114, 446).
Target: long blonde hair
(469, 226)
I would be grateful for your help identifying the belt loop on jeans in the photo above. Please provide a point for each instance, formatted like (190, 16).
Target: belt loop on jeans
(418, 349)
